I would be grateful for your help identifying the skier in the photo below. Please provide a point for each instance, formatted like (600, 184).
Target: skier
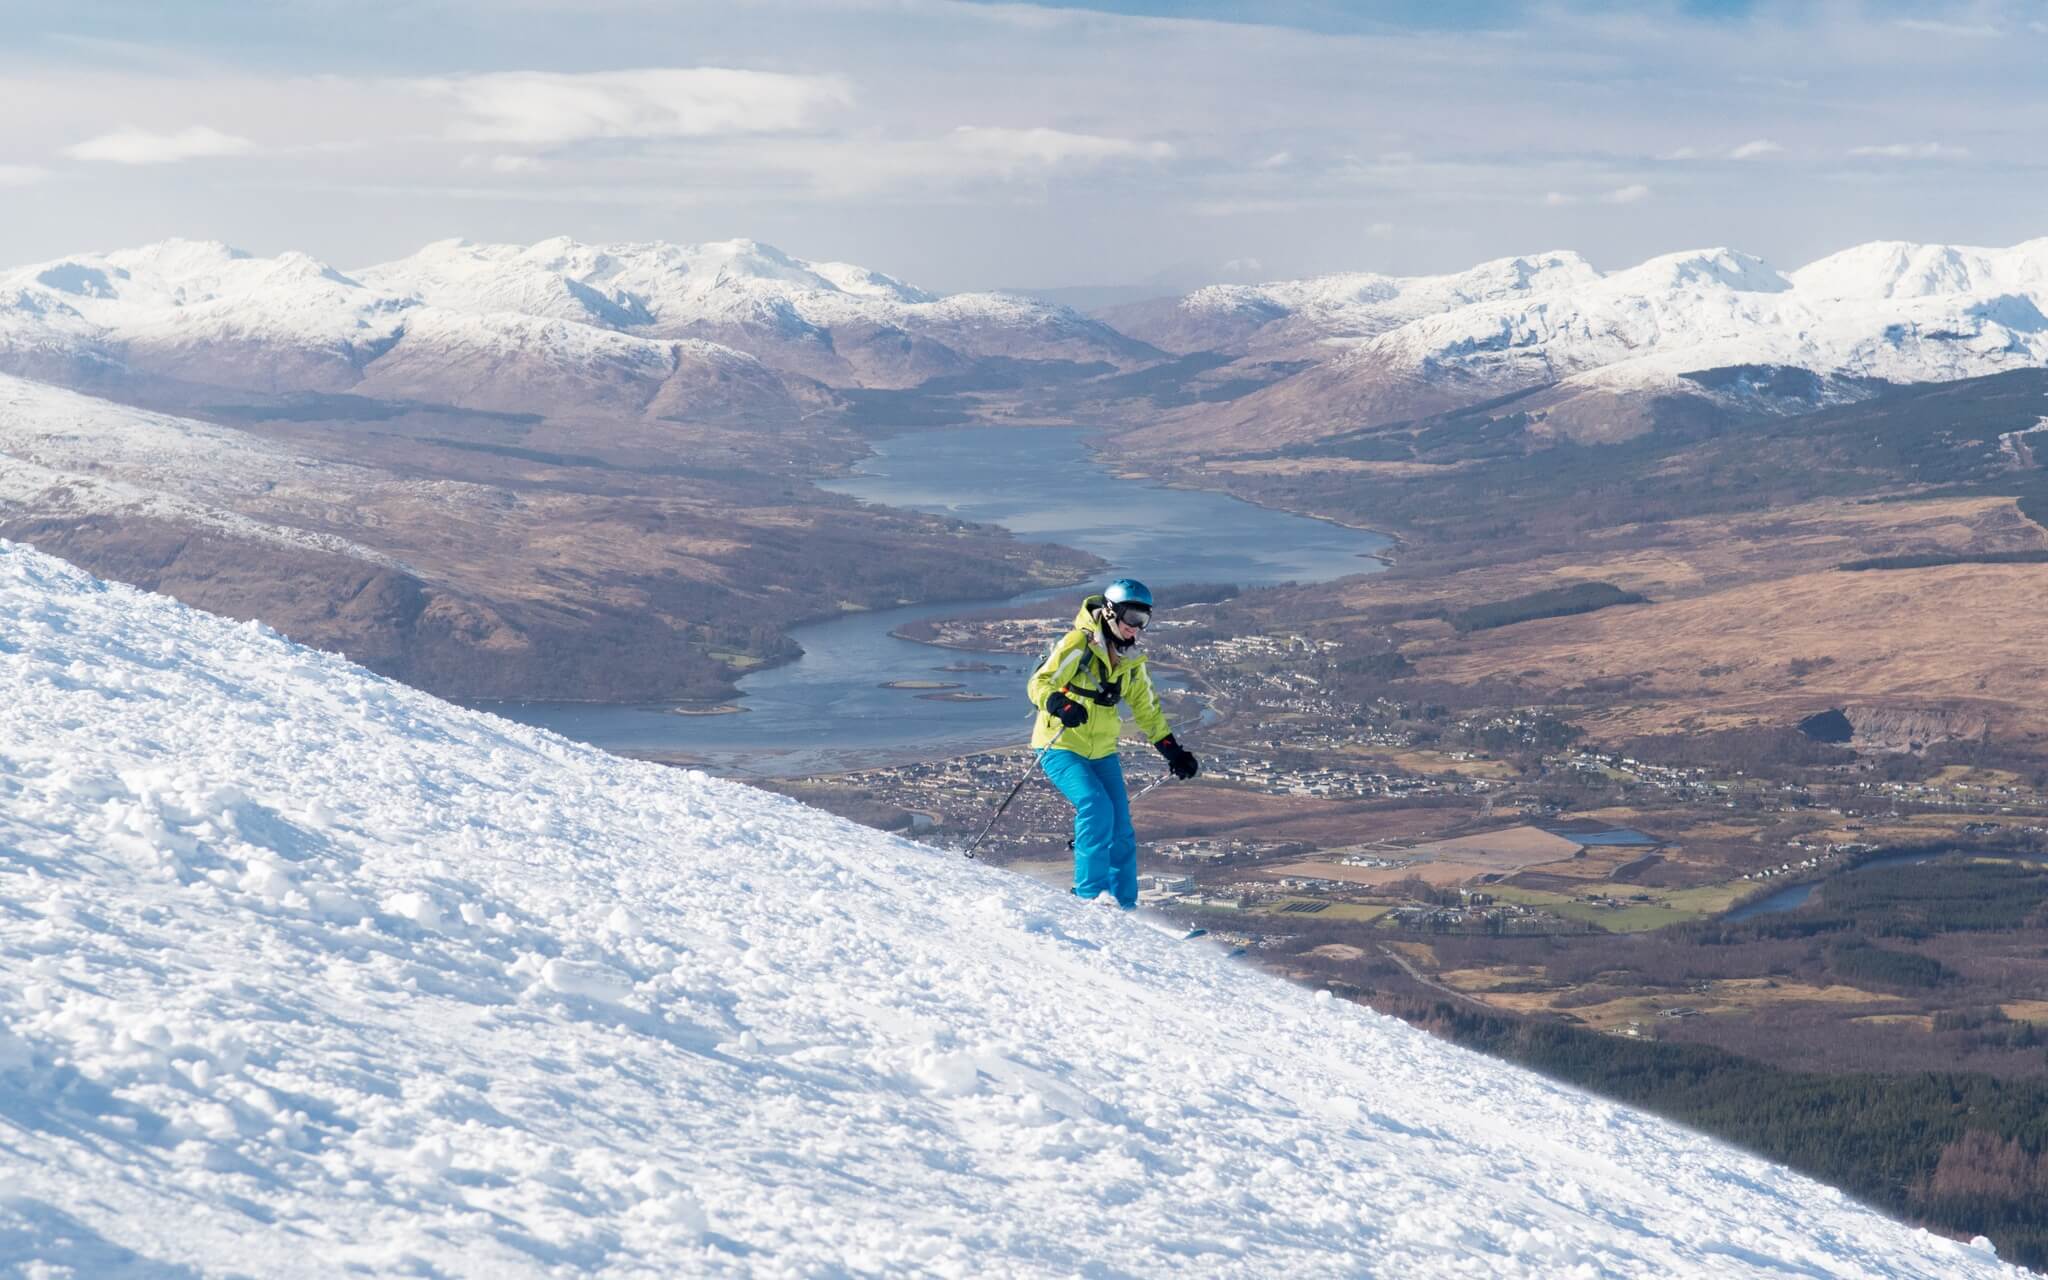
(1090, 671)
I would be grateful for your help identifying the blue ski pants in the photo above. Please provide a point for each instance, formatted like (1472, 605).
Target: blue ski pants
(1105, 846)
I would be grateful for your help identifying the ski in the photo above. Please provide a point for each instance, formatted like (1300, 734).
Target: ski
(1180, 933)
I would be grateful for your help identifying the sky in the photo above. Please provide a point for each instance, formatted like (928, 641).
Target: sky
(960, 144)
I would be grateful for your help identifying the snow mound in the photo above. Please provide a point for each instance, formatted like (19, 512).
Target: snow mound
(307, 973)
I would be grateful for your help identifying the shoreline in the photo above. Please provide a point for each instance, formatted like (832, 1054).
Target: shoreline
(1122, 465)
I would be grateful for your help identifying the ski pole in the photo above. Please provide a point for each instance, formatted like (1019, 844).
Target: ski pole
(990, 824)
(1164, 777)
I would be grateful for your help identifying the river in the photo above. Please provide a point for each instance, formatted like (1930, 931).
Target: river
(830, 709)
(1794, 896)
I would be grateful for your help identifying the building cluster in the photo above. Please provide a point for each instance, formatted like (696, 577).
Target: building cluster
(1480, 914)
(1273, 778)
(1219, 851)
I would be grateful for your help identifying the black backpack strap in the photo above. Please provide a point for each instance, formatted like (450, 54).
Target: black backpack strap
(1107, 692)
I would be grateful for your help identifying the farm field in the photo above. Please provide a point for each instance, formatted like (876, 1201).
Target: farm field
(1620, 913)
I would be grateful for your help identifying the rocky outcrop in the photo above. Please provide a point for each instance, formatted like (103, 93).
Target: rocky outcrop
(1897, 728)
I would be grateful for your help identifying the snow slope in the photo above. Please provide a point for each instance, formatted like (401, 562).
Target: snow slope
(302, 972)
(66, 457)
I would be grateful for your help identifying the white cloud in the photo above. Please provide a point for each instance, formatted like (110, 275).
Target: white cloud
(130, 145)
(544, 108)
(1243, 267)
(1380, 230)
(1911, 151)
(1014, 149)
(1966, 30)
(1746, 151)
(21, 175)
(1634, 193)
(1558, 199)
(1278, 160)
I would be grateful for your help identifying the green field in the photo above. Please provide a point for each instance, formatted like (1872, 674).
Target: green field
(1665, 907)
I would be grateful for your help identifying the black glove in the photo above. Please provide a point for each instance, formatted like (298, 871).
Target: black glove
(1065, 710)
(1178, 758)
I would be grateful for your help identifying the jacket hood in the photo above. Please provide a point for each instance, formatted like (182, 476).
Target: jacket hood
(1085, 619)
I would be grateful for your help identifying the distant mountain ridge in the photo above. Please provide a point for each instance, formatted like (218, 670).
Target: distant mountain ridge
(728, 331)
(1593, 351)
(739, 331)
(1311, 316)
(843, 324)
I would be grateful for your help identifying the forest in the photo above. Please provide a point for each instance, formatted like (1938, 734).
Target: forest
(1961, 1153)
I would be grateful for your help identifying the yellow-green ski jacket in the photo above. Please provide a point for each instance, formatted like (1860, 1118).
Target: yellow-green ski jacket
(1079, 663)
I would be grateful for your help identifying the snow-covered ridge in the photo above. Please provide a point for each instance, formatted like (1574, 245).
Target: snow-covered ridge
(1887, 310)
(204, 313)
(591, 326)
(1604, 351)
(632, 285)
(662, 288)
(307, 972)
(1360, 304)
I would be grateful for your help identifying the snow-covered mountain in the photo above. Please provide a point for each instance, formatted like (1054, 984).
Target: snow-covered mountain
(1601, 348)
(202, 316)
(730, 332)
(843, 324)
(307, 973)
(1319, 316)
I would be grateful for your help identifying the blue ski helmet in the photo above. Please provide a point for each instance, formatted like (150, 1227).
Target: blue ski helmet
(1129, 593)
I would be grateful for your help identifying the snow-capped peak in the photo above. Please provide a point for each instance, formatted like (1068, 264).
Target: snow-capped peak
(1696, 269)
(639, 284)
(182, 273)
(1899, 269)
(312, 974)
(1406, 296)
(177, 258)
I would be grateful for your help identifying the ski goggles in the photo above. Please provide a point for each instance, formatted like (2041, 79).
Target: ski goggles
(1132, 616)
